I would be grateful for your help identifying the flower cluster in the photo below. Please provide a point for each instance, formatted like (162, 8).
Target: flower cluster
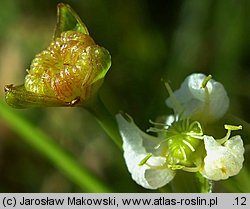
(181, 144)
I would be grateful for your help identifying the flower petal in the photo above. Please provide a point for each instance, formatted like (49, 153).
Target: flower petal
(222, 162)
(209, 103)
(235, 144)
(151, 175)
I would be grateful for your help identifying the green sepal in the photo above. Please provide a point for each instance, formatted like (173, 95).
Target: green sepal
(67, 19)
(19, 97)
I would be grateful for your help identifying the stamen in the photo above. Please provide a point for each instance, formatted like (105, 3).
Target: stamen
(195, 135)
(229, 128)
(232, 127)
(157, 123)
(189, 145)
(176, 167)
(156, 130)
(183, 153)
(144, 160)
(205, 81)
(176, 105)
(158, 145)
(191, 169)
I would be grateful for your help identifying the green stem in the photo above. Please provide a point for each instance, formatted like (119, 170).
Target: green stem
(106, 120)
(56, 154)
(206, 185)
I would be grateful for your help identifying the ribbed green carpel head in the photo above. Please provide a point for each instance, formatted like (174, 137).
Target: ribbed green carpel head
(68, 73)
(184, 139)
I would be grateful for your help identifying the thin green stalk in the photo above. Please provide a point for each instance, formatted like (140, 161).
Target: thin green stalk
(56, 154)
(206, 185)
(106, 120)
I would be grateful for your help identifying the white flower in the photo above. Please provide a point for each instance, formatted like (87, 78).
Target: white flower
(209, 102)
(222, 161)
(181, 143)
(137, 145)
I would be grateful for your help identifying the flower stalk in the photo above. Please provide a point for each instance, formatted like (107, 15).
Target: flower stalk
(105, 119)
(57, 155)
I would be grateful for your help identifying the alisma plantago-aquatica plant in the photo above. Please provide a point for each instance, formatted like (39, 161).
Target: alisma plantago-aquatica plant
(70, 71)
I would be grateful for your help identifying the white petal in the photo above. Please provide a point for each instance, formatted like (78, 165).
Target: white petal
(209, 103)
(222, 162)
(150, 177)
(235, 145)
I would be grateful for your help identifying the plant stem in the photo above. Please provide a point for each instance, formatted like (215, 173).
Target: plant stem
(206, 185)
(106, 120)
(56, 154)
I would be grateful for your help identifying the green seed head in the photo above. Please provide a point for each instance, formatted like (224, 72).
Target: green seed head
(68, 68)
(183, 139)
(68, 73)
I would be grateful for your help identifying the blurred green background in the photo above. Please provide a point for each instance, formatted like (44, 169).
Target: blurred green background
(149, 41)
